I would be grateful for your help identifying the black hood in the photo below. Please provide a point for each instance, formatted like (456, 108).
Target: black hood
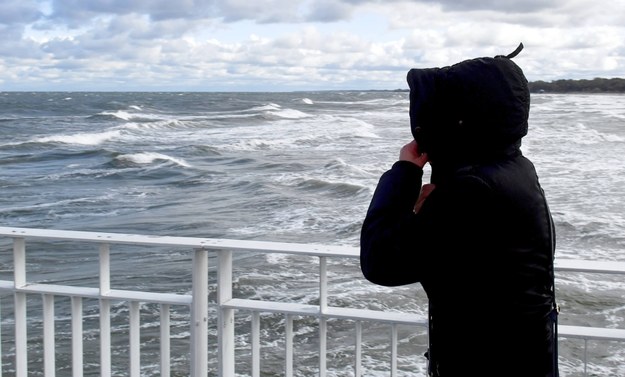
(470, 111)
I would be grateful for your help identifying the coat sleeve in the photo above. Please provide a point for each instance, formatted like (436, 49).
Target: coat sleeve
(387, 241)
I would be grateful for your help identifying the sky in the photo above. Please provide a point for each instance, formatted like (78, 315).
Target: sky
(294, 45)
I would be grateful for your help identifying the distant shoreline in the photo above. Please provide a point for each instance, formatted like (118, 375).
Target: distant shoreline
(596, 85)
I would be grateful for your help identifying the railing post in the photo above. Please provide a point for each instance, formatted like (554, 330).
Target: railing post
(77, 343)
(585, 357)
(19, 280)
(165, 339)
(255, 344)
(323, 306)
(105, 311)
(288, 346)
(49, 351)
(134, 339)
(358, 350)
(225, 324)
(199, 314)
(394, 340)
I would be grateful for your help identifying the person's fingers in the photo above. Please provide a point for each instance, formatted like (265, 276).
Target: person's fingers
(410, 152)
(422, 159)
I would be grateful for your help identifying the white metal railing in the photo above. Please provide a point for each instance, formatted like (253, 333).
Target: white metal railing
(197, 302)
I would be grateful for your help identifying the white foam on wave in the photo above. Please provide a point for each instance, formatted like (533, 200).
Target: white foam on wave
(261, 144)
(389, 102)
(585, 135)
(280, 112)
(307, 101)
(339, 168)
(269, 106)
(118, 114)
(145, 158)
(80, 138)
(157, 125)
(139, 115)
(289, 114)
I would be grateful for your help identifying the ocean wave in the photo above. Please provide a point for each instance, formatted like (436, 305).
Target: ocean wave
(145, 158)
(63, 203)
(119, 114)
(286, 114)
(265, 107)
(80, 138)
(337, 167)
(169, 124)
(582, 134)
(385, 102)
(139, 117)
(273, 111)
(338, 189)
(134, 116)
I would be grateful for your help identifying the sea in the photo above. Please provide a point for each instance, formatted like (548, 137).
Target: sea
(282, 166)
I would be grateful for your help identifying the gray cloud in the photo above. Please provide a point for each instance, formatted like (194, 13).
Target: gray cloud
(75, 12)
(268, 11)
(18, 12)
(509, 6)
(329, 11)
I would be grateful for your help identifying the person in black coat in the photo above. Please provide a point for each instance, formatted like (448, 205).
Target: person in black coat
(479, 237)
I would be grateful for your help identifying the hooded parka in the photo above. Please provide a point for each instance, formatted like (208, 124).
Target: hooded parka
(482, 244)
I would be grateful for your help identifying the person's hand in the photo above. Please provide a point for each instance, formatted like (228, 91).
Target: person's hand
(410, 152)
(426, 190)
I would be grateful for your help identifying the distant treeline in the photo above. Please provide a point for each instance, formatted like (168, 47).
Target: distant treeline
(596, 85)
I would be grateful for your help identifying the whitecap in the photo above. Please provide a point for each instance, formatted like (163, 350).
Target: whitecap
(269, 106)
(118, 114)
(145, 158)
(289, 114)
(81, 138)
(128, 116)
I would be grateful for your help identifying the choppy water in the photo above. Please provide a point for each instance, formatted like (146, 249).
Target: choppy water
(298, 167)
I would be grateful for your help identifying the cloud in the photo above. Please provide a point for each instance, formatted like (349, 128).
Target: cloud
(295, 44)
(329, 11)
(16, 12)
(74, 12)
(509, 6)
(268, 11)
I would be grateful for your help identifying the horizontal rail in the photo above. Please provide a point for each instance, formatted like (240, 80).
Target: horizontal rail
(586, 332)
(113, 294)
(590, 266)
(192, 242)
(571, 265)
(567, 331)
(331, 312)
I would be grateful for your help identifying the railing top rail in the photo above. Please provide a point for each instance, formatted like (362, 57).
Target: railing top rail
(577, 265)
(192, 242)
(570, 265)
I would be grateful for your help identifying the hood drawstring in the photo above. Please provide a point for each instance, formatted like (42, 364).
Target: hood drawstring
(513, 53)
